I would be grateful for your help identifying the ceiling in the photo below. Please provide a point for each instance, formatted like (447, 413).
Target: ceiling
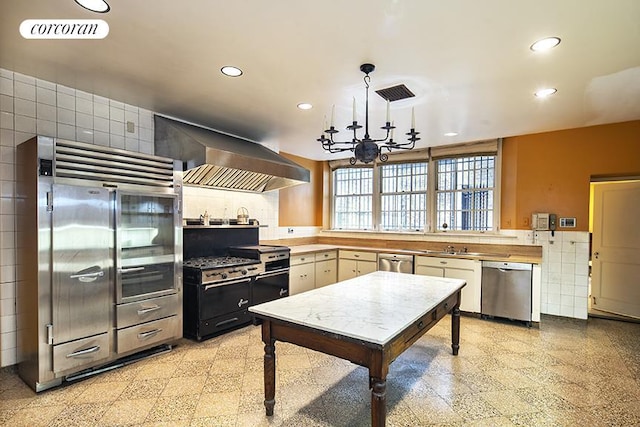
(468, 62)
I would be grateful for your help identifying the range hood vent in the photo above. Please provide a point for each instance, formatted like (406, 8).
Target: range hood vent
(216, 160)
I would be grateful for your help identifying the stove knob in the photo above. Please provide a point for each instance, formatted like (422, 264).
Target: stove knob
(223, 275)
(244, 272)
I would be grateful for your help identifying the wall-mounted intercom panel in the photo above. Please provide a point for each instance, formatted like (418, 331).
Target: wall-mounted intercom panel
(544, 221)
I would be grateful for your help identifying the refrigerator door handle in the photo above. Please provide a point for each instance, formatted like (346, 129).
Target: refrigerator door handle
(84, 352)
(87, 277)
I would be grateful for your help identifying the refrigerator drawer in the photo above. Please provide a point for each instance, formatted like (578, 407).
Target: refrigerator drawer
(148, 334)
(147, 310)
(84, 352)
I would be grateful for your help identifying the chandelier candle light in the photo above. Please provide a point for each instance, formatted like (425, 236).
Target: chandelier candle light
(367, 149)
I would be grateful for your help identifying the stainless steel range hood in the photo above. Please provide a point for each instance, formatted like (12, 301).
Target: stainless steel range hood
(215, 160)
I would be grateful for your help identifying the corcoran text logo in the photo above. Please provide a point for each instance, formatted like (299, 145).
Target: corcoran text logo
(64, 29)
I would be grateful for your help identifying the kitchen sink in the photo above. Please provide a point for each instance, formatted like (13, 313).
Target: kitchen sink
(464, 254)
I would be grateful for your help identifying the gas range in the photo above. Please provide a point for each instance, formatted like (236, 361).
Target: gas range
(213, 269)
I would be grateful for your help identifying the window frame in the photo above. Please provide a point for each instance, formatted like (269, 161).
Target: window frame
(430, 156)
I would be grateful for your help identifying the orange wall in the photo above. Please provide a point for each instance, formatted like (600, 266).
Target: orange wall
(551, 171)
(301, 205)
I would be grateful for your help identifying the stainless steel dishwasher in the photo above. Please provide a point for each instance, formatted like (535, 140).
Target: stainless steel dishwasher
(506, 290)
(395, 262)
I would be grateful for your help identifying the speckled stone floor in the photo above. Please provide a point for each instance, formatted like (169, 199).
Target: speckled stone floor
(564, 373)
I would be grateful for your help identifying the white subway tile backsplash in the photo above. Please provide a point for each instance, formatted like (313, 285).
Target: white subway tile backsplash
(66, 101)
(100, 99)
(553, 309)
(6, 120)
(116, 114)
(116, 128)
(24, 91)
(146, 134)
(8, 274)
(67, 117)
(101, 124)
(84, 121)
(116, 141)
(7, 155)
(84, 135)
(580, 310)
(47, 128)
(66, 90)
(6, 174)
(45, 84)
(116, 104)
(46, 96)
(24, 79)
(8, 357)
(83, 95)
(566, 310)
(7, 290)
(46, 112)
(131, 144)
(8, 307)
(25, 124)
(146, 147)
(131, 116)
(6, 86)
(24, 107)
(84, 105)
(6, 103)
(582, 291)
(100, 110)
(6, 73)
(66, 131)
(101, 138)
(146, 118)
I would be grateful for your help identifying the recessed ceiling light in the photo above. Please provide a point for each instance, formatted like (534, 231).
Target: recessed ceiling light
(545, 44)
(543, 93)
(451, 134)
(99, 6)
(231, 71)
(305, 106)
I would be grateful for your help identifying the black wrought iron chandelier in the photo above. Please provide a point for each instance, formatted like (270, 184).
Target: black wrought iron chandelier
(367, 149)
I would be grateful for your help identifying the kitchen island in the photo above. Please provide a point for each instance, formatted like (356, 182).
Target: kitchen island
(369, 320)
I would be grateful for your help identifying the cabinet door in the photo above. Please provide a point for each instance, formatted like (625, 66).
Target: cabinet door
(347, 269)
(301, 278)
(365, 267)
(427, 270)
(326, 272)
(469, 292)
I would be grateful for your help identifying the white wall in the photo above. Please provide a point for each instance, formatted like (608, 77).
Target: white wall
(29, 107)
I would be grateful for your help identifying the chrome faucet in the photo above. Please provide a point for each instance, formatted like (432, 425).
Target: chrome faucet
(450, 250)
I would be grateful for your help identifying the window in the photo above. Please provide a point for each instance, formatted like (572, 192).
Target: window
(465, 188)
(353, 198)
(451, 188)
(403, 196)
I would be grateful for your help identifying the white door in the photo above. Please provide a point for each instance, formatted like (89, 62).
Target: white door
(615, 257)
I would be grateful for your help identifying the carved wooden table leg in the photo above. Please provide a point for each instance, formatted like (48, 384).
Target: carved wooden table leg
(269, 368)
(455, 329)
(378, 402)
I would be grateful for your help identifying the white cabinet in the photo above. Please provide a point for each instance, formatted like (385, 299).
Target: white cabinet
(302, 273)
(465, 269)
(326, 268)
(356, 263)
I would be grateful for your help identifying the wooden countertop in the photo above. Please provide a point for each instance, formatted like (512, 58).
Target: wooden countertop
(313, 248)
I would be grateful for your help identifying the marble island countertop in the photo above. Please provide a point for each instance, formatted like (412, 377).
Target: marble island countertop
(312, 248)
(373, 307)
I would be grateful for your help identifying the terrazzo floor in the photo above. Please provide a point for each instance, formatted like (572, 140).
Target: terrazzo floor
(565, 373)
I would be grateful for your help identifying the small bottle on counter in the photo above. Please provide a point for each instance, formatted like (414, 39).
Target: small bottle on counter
(205, 218)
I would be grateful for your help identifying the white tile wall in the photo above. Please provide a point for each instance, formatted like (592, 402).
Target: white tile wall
(29, 106)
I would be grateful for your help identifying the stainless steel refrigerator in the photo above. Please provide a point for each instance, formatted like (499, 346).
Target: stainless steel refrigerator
(99, 258)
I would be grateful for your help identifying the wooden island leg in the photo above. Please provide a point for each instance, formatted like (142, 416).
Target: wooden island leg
(455, 328)
(269, 368)
(378, 402)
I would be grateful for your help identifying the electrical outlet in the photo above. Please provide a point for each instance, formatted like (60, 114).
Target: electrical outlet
(290, 230)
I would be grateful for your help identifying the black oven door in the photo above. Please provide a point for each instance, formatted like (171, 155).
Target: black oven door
(217, 299)
(270, 286)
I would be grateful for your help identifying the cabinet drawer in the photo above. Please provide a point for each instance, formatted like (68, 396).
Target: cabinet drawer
(301, 259)
(83, 352)
(363, 256)
(321, 256)
(144, 311)
(445, 262)
(148, 334)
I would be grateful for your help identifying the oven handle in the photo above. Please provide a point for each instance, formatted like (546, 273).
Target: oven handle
(230, 282)
(274, 273)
